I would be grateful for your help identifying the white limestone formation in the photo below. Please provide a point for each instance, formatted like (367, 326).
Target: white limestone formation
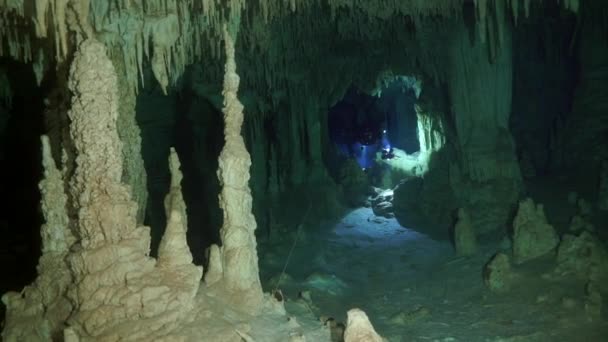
(359, 328)
(239, 257)
(532, 235)
(214, 268)
(465, 240)
(38, 313)
(118, 292)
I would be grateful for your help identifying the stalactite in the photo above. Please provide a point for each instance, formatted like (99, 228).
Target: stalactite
(572, 5)
(500, 20)
(58, 10)
(40, 18)
(481, 6)
(515, 10)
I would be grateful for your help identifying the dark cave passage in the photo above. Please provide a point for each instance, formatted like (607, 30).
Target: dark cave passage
(361, 125)
(194, 128)
(22, 122)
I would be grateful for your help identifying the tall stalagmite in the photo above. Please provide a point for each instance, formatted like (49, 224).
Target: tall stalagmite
(239, 257)
(118, 292)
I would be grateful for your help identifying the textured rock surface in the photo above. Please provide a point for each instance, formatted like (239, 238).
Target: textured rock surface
(382, 204)
(118, 291)
(532, 235)
(465, 240)
(584, 256)
(134, 174)
(38, 313)
(497, 274)
(359, 328)
(238, 252)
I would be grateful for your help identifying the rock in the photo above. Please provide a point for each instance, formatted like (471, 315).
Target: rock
(579, 224)
(584, 256)
(359, 328)
(382, 204)
(336, 329)
(384, 209)
(465, 240)
(533, 237)
(602, 196)
(384, 196)
(497, 274)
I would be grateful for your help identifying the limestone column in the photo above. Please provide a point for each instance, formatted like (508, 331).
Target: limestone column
(239, 257)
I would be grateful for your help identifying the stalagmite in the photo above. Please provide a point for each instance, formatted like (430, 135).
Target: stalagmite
(497, 274)
(532, 235)
(38, 313)
(238, 252)
(173, 250)
(214, 268)
(359, 328)
(118, 291)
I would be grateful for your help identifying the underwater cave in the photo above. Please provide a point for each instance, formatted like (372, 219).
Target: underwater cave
(358, 171)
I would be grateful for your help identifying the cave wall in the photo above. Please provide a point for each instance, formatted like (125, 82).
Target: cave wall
(544, 79)
(581, 139)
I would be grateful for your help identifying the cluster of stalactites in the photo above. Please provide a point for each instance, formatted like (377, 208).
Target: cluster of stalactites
(174, 33)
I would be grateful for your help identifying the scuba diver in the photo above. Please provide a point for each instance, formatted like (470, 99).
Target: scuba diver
(387, 149)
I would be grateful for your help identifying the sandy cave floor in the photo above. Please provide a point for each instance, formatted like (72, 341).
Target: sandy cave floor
(416, 289)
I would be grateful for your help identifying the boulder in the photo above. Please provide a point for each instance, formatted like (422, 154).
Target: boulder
(382, 204)
(359, 328)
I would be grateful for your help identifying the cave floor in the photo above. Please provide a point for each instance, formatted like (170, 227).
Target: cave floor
(415, 288)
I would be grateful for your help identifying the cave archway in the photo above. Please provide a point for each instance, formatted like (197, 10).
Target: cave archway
(360, 125)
